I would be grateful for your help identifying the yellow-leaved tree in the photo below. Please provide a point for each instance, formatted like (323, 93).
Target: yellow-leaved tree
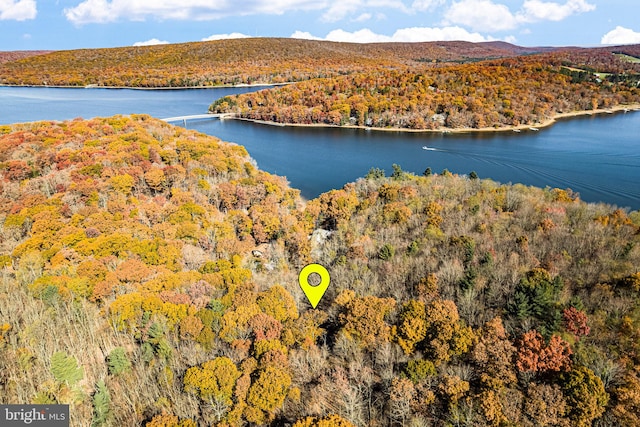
(267, 394)
(214, 380)
(327, 421)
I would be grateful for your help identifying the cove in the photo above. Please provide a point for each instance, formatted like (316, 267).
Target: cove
(596, 156)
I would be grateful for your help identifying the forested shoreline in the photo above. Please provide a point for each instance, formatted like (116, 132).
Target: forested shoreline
(149, 273)
(504, 128)
(431, 85)
(509, 93)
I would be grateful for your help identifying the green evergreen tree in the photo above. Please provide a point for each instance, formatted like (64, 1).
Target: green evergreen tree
(413, 248)
(118, 361)
(65, 368)
(101, 405)
(398, 174)
(386, 252)
(520, 305)
(375, 173)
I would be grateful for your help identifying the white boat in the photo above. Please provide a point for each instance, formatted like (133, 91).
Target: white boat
(534, 129)
(517, 130)
(424, 147)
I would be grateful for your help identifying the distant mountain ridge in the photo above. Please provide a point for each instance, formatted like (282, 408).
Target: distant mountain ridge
(248, 61)
(233, 61)
(427, 85)
(20, 54)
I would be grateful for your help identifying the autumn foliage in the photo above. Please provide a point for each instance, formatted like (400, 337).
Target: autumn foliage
(417, 86)
(234, 61)
(494, 94)
(149, 277)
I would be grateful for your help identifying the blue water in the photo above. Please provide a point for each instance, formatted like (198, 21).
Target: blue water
(25, 104)
(597, 156)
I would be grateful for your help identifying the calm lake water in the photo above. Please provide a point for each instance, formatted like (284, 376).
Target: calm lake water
(597, 156)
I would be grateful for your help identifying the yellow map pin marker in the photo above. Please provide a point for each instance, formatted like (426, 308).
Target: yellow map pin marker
(314, 293)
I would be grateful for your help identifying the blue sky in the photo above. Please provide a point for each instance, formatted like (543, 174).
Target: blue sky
(72, 24)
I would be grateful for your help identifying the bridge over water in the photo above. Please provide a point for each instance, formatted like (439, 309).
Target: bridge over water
(185, 119)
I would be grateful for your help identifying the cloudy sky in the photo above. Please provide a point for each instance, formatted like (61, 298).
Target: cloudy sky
(70, 24)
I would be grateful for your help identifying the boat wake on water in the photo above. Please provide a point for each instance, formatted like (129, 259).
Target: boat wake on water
(557, 177)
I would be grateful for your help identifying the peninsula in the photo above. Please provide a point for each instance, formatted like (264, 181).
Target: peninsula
(441, 86)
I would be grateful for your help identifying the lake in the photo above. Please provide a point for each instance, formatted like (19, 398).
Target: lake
(596, 156)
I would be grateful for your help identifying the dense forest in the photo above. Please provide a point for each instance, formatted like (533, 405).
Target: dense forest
(20, 54)
(149, 277)
(234, 61)
(447, 93)
(270, 60)
(431, 85)
(507, 92)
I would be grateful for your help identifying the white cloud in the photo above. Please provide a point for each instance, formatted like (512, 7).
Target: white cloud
(363, 17)
(304, 35)
(340, 9)
(537, 10)
(481, 15)
(151, 42)
(102, 11)
(423, 5)
(425, 34)
(19, 10)
(91, 11)
(478, 15)
(225, 36)
(621, 35)
(361, 36)
(485, 15)
(413, 34)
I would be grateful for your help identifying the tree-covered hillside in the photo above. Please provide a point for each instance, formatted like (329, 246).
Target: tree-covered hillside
(233, 61)
(149, 277)
(417, 86)
(19, 54)
(269, 60)
(508, 92)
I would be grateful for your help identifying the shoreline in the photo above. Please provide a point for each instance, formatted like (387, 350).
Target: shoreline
(518, 128)
(92, 86)
(231, 116)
